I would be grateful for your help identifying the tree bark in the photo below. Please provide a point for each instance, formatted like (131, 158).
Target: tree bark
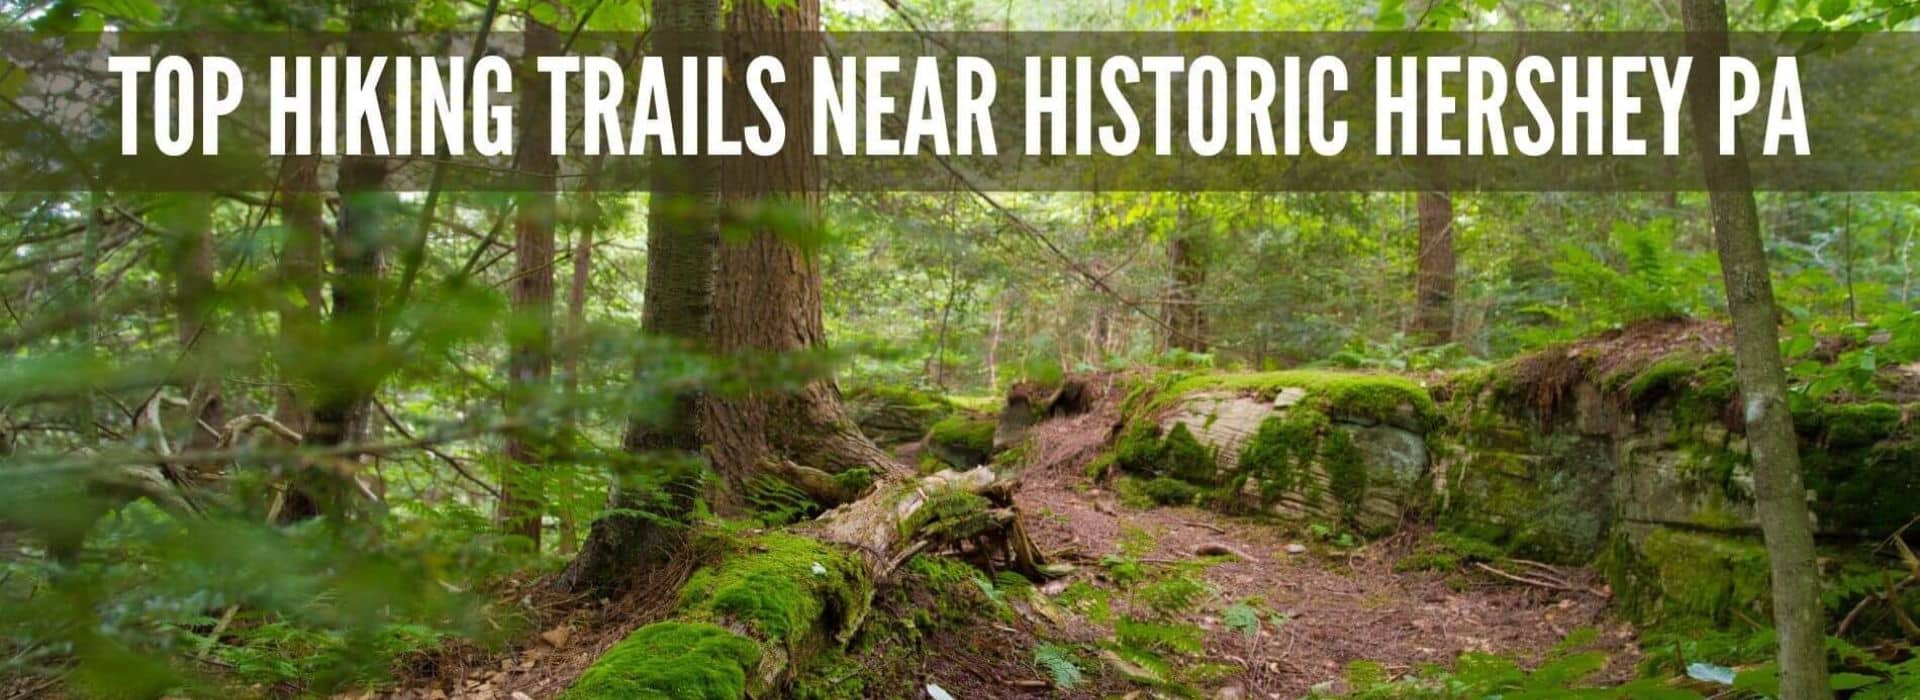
(188, 219)
(1780, 496)
(344, 380)
(1186, 253)
(301, 310)
(530, 346)
(1434, 271)
(682, 238)
(767, 287)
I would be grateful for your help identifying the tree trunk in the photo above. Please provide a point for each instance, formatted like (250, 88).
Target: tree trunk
(300, 276)
(345, 377)
(1780, 497)
(1433, 278)
(682, 237)
(188, 219)
(1186, 252)
(767, 285)
(530, 353)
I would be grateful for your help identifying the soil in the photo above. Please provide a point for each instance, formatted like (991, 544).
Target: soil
(1339, 605)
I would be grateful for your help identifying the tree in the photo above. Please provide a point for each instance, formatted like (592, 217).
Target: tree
(767, 287)
(530, 352)
(345, 377)
(1780, 497)
(1434, 271)
(1186, 319)
(682, 236)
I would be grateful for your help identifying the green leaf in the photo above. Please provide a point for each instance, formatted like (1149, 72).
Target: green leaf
(1831, 10)
(1851, 681)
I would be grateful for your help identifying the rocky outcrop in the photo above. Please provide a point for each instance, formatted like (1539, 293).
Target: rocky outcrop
(1335, 448)
(1643, 469)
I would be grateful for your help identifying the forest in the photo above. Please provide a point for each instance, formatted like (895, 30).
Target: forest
(741, 436)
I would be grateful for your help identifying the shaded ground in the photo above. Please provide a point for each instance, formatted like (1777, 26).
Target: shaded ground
(1323, 607)
(1340, 606)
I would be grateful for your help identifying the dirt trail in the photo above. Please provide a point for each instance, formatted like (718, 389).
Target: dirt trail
(1340, 606)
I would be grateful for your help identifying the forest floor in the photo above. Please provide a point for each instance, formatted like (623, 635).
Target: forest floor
(1339, 605)
(1322, 606)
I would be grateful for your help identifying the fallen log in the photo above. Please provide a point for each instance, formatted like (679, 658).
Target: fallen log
(770, 600)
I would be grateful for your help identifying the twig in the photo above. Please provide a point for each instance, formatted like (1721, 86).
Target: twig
(1534, 581)
(444, 457)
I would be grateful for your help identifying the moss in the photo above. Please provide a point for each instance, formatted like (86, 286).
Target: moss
(1677, 580)
(1858, 424)
(1375, 397)
(948, 512)
(853, 480)
(783, 585)
(1168, 491)
(1183, 457)
(1281, 450)
(1667, 374)
(1447, 551)
(671, 661)
(965, 433)
(1346, 469)
(1137, 451)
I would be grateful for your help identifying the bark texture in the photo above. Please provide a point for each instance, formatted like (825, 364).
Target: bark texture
(767, 287)
(530, 354)
(1780, 496)
(682, 237)
(345, 376)
(1434, 272)
(1186, 319)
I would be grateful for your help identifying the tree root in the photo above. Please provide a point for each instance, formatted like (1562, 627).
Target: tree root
(775, 599)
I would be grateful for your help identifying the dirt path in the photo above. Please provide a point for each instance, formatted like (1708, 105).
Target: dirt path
(1339, 605)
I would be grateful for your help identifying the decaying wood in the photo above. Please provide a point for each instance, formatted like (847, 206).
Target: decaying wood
(883, 530)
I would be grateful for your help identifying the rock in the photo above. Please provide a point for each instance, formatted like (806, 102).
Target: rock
(519, 695)
(557, 637)
(1289, 396)
(1295, 548)
(1231, 691)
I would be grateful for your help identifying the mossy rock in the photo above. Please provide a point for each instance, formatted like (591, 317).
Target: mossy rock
(671, 661)
(894, 415)
(962, 440)
(1352, 396)
(1676, 579)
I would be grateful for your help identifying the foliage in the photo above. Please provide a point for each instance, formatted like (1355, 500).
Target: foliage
(1563, 674)
(1641, 275)
(1059, 663)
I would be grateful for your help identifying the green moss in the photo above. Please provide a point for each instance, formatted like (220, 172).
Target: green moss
(1281, 450)
(1137, 451)
(1346, 469)
(971, 434)
(671, 661)
(1667, 374)
(853, 480)
(1168, 491)
(1375, 397)
(1674, 579)
(783, 585)
(948, 512)
(1857, 424)
(1183, 457)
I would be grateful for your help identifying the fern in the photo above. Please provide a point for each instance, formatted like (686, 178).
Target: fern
(1059, 665)
(1243, 618)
